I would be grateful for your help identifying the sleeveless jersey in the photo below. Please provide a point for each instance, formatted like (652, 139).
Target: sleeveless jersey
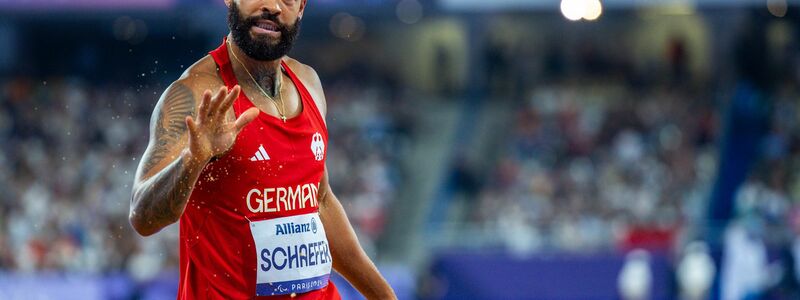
(251, 228)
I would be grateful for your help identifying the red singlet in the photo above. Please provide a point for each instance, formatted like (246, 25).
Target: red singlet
(251, 227)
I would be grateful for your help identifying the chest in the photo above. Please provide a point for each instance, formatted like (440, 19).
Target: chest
(272, 170)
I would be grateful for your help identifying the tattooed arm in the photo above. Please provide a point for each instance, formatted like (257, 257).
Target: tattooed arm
(166, 172)
(182, 141)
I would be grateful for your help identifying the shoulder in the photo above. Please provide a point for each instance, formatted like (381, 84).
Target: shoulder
(311, 80)
(182, 97)
(305, 72)
(202, 75)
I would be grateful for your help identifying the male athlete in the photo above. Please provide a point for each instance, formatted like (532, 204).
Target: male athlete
(243, 169)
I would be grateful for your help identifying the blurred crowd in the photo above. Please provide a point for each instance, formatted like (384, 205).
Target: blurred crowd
(370, 128)
(69, 152)
(604, 167)
(69, 149)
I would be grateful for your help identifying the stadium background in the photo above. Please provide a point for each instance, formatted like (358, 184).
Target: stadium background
(482, 149)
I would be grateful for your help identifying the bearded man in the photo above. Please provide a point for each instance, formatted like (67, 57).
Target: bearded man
(237, 154)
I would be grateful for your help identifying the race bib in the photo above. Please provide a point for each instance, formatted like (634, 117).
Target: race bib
(292, 255)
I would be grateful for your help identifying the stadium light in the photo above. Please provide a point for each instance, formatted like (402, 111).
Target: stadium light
(593, 10)
(575, 10)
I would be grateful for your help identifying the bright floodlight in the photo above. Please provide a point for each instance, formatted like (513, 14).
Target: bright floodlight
(593, 10)
(573, 10)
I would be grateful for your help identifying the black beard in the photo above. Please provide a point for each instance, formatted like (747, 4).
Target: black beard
(261, 48)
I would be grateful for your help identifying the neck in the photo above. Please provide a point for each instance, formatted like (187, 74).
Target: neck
(262, 71)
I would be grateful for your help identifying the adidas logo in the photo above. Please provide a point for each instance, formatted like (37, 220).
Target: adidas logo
(261, 154)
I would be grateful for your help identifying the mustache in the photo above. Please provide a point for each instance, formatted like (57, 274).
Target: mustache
(266, 16)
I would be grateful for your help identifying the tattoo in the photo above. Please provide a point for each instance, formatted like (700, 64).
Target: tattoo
(264, 78)
(168, 122)
(268, 82)
(162, 200)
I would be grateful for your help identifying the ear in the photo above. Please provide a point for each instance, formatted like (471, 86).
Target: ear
(302, 8)
(228, 3)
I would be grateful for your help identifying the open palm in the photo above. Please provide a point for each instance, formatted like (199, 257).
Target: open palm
(213, 133)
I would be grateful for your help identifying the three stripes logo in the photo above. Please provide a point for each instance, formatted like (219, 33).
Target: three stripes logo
(261, 154)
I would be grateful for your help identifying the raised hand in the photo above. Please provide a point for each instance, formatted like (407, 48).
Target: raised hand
(212, 133)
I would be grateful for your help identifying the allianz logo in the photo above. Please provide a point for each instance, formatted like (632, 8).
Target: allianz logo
(293, 228)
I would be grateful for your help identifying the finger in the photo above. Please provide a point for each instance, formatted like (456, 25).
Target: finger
(224, 104)
(245, 118)
(219, 98)
(190, 124)
(204, 103)
(223, 108)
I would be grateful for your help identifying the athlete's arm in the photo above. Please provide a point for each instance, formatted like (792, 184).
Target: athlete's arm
(349, 259)
(183, 139)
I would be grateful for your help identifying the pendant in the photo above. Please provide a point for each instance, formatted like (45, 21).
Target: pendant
(283, 118)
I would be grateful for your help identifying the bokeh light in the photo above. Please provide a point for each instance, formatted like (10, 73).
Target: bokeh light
(777, 8)
(573, 10)
(347, 27)
(409, 11)
(593, 10)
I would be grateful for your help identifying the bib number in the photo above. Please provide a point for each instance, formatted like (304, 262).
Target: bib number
(292, 255)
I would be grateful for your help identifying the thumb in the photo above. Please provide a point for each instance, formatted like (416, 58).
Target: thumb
(245, 118)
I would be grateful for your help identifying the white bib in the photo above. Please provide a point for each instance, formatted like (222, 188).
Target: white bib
(292, 255)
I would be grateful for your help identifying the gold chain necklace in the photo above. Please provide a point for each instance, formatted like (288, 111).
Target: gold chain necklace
(278, 84)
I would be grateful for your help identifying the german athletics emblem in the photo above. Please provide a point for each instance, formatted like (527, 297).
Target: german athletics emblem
(318, 146)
